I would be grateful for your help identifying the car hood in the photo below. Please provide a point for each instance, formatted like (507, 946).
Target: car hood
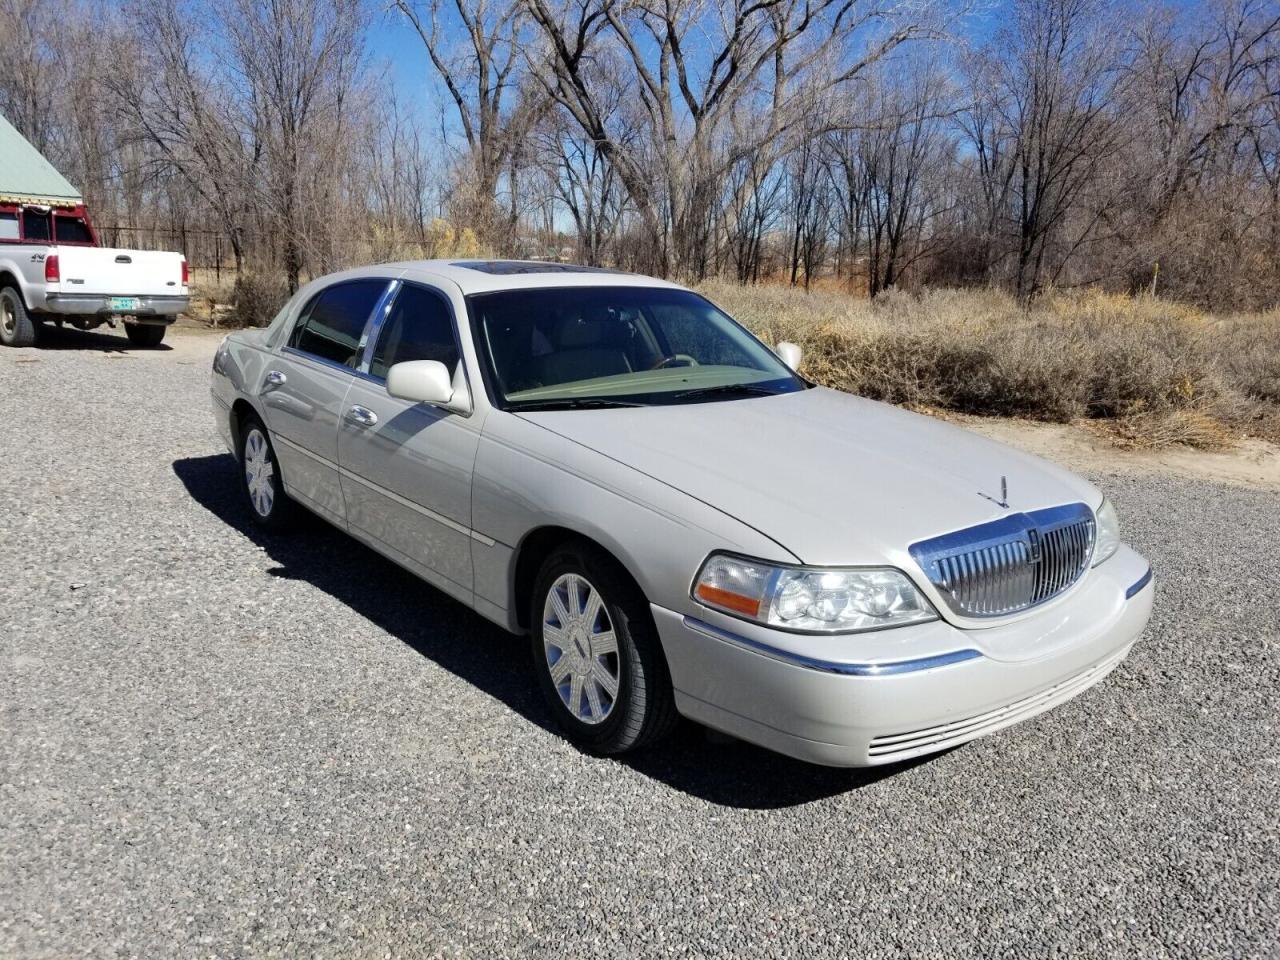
(833, 478)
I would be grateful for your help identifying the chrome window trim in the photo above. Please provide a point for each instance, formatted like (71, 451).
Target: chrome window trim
(297, 354)
(886, 669)
(372, 345)
(373, 328)
(366, 363)
(287, 345)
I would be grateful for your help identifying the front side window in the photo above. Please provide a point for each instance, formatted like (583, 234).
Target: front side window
(419, 327)
(37, 226)
(332, 323)
(594, 346)
(71, 230)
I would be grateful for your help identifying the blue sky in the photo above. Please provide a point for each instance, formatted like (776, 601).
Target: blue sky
(395, 45)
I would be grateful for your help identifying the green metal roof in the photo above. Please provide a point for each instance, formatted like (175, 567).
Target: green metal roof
(26, 175)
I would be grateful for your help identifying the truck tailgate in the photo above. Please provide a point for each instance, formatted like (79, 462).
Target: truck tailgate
(124, 273)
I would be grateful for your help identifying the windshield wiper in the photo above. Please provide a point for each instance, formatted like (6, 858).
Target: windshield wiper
(725, 389)
(574, 403)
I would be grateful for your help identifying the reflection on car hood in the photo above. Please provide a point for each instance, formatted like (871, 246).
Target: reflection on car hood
(833, 478)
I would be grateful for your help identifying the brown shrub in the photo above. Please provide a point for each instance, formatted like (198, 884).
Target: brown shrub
(1162, 373)
(258, 298)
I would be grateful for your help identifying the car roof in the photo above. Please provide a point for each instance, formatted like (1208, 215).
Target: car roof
(482, 276)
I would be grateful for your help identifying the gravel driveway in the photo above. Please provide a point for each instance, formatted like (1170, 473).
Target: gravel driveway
(219, 743)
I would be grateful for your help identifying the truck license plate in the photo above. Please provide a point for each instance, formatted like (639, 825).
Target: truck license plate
(125, 303)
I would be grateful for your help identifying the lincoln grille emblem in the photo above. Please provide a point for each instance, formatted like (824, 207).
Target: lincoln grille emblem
(1033, 542)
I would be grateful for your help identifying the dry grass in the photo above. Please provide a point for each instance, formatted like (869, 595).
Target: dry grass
(1154, 373)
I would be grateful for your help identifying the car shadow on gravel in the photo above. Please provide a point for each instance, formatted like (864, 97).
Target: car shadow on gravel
(696, 761)
(51, 337)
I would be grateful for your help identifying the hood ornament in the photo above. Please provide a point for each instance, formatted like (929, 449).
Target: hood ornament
(1003, 502)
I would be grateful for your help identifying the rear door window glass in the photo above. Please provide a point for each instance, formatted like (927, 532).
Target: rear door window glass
(420, 327)
(331, 326)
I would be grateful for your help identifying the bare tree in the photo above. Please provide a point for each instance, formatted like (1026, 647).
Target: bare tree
(693, 68)
(479, 70)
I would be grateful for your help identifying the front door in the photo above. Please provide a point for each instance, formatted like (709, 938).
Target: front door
(304, 386)
(406, 467)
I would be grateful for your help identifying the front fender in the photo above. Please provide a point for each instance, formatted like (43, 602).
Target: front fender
(527, 478)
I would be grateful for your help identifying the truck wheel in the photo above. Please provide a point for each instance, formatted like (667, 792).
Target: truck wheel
(144, 334)
(17, 329)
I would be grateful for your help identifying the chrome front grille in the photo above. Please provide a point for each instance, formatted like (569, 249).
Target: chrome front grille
(1010, 564)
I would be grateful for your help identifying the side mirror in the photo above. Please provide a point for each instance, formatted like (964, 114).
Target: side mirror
(789, 354)
(428, 381)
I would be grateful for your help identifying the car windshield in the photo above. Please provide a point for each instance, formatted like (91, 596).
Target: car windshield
(555, 348)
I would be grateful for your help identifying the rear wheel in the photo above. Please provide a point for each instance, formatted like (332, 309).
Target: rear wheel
(17, 329)
(144, 334)
(596, 652)
(260, 477)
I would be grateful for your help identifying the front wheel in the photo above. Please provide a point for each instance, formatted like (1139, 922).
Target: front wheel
(144, 334)
(269, 505)
(597, 654)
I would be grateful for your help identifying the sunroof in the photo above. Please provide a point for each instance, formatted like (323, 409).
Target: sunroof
(509, 267)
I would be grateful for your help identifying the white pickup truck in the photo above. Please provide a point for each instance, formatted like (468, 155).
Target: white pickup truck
(52, 270)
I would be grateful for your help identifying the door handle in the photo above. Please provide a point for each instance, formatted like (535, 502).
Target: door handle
(362, 415)
(275, 378)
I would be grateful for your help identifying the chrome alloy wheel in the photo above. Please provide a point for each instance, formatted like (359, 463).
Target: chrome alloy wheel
(581, 648)
(8, 317)
(259, 472)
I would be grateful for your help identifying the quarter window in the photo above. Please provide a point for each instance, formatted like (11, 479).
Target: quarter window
(332, 323)
(419, 327)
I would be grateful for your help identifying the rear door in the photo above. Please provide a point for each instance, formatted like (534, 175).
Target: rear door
(305, 383)
(406, 467)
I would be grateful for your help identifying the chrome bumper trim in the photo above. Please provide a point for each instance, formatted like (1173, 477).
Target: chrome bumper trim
(829, 666)
(1137, 587)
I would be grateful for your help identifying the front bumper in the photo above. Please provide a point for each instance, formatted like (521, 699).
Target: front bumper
(791, 694)
(154, 309)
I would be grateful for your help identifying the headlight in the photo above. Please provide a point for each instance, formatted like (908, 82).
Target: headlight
(1108, 541)
(808, 599)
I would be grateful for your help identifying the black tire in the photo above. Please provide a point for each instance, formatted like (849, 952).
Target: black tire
(280, 512)
(144, 334)
(17, 329)
(643, 710)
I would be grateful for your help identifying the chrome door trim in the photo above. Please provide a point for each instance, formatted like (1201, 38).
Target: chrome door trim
(417, 507)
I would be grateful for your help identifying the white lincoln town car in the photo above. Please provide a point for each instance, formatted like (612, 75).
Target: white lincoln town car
(678, 521)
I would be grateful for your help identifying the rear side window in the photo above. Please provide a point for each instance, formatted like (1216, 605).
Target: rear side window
(8, 226)
(331, 325)
(420, 327)
(36, 226)
(71, 230)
